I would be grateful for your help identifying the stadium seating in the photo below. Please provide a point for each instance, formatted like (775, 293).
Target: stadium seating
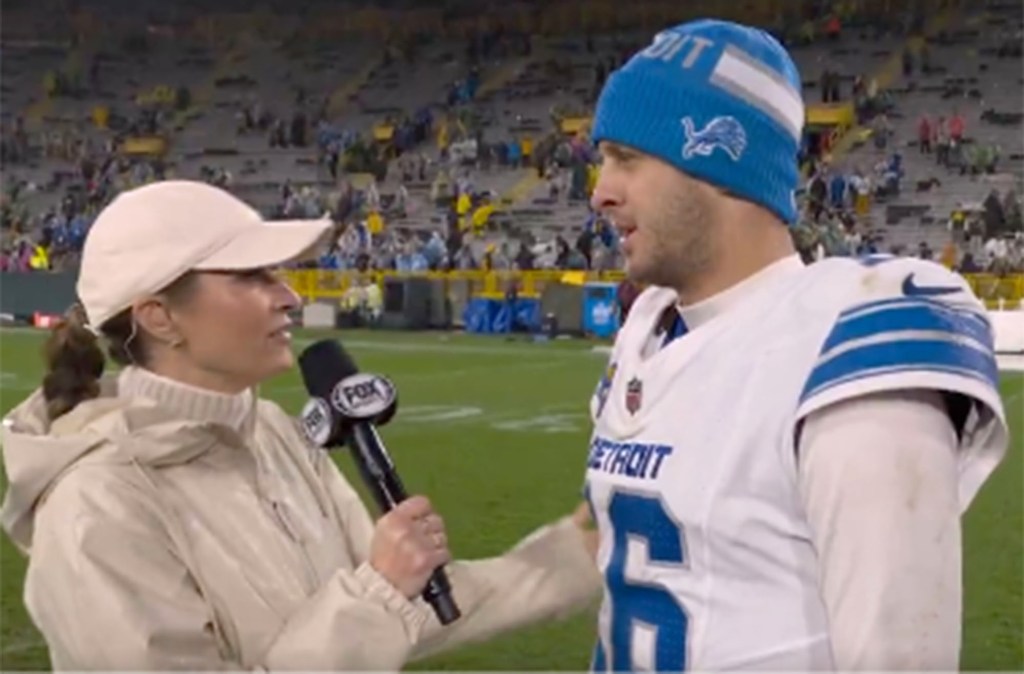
(524, 85)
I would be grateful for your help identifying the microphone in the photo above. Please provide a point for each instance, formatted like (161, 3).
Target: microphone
(345, 407)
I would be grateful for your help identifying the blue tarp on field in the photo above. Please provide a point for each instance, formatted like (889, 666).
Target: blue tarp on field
(492, 316)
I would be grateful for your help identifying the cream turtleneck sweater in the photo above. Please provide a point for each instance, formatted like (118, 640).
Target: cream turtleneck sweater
(190, 402)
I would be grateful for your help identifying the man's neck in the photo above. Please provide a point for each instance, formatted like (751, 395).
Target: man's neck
(738, 257)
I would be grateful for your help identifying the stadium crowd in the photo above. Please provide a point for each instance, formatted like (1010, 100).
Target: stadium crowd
(835, 206)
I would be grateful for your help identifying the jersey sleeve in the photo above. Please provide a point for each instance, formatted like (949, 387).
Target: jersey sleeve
(927, 332)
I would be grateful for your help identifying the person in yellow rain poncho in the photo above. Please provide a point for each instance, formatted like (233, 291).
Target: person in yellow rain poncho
(40, 260)
(374, 224)
(462, 207)
(481, 216)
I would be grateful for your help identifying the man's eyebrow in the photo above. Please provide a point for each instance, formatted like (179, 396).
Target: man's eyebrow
(616, 151)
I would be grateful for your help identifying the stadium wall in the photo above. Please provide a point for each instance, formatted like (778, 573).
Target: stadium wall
(24, 295)
(1008, 330)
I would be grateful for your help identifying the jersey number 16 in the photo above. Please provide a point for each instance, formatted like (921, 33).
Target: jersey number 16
(648, 624)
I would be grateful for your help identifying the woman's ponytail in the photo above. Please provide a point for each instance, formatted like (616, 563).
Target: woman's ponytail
(74, 364)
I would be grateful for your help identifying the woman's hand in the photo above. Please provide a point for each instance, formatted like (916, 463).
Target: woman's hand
(409, 542)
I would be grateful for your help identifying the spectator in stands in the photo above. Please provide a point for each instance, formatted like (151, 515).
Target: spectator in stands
(924, 134)
(893, 173)
(997, 251)
(958, 224)
(833, 28)
(881, 129)
(995, 217)
(402, 200)
(947, 258)
(860, 183)
(411, 259)
(1015, 260)
(434, 250)
(514, 154)
(825, 84)
(908, 62)
(524, 256)
(968, 265)
(464, 258)
(981, 159)
(957, 126)
(838, 190)
(817, 190)
(1012, 212)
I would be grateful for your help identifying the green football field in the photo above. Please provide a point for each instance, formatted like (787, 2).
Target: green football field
(495, 432)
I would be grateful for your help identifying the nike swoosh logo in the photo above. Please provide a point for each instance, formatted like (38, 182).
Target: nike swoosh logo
(911, 289)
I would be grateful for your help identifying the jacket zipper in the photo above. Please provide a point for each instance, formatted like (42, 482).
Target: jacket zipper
(289, 528)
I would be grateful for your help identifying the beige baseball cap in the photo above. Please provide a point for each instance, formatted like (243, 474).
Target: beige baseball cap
(149, 237)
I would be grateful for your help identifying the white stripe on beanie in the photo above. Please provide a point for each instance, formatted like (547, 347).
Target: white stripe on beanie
(753, 81)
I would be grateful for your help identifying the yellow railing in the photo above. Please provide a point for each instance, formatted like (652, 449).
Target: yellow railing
(312, 284)
(998, 292)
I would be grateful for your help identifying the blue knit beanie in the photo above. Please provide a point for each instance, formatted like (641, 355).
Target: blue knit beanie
(719, 101)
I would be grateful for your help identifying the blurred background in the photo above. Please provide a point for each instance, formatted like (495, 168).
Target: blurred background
(454, 135)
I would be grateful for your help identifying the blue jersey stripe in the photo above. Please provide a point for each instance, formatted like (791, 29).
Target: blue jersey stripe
(882, 318)
(905, 301)
(917, 355)
(969, 374)
(677, 330)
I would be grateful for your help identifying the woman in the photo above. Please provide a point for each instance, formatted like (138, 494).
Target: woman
(176, 521)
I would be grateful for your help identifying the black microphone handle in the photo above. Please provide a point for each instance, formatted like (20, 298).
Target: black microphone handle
(381, 477)
(376, 467)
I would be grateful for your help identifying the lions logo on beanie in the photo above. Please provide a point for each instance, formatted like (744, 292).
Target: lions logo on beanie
(719, 101)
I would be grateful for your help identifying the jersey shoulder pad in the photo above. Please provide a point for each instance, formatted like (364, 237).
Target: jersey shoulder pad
(903, 323)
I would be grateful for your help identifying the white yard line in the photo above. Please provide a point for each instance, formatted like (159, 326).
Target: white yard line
(437, 347)
(462, 372)
(429, 345)
(22, 646)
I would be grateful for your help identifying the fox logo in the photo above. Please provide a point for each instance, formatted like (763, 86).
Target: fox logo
(722, 132)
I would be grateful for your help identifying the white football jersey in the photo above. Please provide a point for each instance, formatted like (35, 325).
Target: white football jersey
(692, 475)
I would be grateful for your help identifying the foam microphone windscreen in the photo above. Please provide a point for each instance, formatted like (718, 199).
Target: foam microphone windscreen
(323, 364)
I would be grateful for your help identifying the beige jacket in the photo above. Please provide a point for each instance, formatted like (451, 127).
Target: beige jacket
(172, 528)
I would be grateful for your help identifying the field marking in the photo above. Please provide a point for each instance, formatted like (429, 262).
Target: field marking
(564, 418)
(22, 646)
(462, 372)
(436, 346)
(484, 350)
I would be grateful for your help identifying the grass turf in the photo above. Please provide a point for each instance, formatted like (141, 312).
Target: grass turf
(496, 433)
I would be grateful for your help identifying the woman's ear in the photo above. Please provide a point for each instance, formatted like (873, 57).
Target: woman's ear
(154, 316)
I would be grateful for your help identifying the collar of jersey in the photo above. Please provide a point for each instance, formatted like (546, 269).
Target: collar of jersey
(700, 313)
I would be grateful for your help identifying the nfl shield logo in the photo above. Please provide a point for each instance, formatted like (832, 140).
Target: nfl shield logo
(634, 395)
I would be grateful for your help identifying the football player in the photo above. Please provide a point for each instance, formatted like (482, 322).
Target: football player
(781, 453)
